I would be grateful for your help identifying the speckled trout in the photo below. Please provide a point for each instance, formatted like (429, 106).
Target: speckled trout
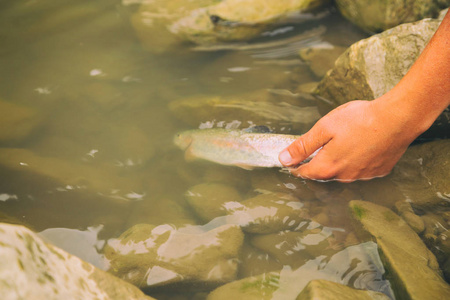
(242, 148)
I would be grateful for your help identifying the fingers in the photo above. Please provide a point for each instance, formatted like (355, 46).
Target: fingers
(303, 147)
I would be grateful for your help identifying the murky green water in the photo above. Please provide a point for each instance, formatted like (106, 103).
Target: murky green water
(101, 158)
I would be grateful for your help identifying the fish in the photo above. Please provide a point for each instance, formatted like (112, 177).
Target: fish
(245, 148)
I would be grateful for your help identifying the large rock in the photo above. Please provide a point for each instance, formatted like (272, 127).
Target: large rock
(328, 290)
(163, 24)
(373, 66)
(378, 15)
(423, 173)
(32, 269)
(412, 267)
(150, 256)
(17, 122)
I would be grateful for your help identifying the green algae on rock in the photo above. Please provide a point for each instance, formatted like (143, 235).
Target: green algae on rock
(151, 256)
(379, 15)
(32, 269)
(328, 290)
(412, 267)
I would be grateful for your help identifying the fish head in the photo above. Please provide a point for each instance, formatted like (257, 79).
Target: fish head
(183, 139)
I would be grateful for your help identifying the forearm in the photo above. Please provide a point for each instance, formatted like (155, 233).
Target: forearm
(424, 92)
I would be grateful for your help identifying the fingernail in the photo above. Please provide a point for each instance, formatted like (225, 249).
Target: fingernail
(285, 157)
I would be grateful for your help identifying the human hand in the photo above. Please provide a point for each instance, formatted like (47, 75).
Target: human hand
(360, 140)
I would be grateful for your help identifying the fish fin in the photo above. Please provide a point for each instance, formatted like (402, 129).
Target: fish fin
(189, 155)
(258, 129)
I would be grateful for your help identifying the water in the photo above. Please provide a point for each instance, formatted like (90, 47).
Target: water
(106, 160)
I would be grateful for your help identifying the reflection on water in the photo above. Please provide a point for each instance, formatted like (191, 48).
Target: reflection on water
(90, 150)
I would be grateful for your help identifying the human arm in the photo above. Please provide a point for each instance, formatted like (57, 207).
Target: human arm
(365, 139)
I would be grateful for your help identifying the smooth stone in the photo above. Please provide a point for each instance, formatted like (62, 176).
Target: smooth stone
(267, 213)
(151, 256)
(412, 267)
(208, 200)
(328, 290)
(164, 26)
(294, 248)
(33, 269)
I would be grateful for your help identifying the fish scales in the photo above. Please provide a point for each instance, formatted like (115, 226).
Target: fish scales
(234, 147)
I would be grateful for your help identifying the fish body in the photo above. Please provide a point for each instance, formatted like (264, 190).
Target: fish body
(234, 147)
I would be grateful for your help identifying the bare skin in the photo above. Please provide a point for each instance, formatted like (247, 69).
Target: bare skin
(365, 139)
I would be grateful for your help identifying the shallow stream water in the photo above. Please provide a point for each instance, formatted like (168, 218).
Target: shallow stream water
(106, 132)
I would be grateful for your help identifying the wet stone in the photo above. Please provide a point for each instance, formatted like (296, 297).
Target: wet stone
(208, 22)
(208, 200)
(412, 267)
(32, 269)
(328, 290)
(289, 282)
(267, 213)
(150, 256)
(294, 248)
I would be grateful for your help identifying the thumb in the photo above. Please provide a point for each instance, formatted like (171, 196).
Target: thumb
(303, 147)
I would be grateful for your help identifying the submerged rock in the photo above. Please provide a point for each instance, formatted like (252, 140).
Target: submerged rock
(356, 266)
(321, 58)
(32, 269)
(377, 15)
(328, 290)
(234, 111)
(423, 173)
(209, 199)
(163, 24)
(411, 265)
(371, 67)
(150, 256)
(70, 175)
(17, 122)
(294, 248)
(267, 213)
